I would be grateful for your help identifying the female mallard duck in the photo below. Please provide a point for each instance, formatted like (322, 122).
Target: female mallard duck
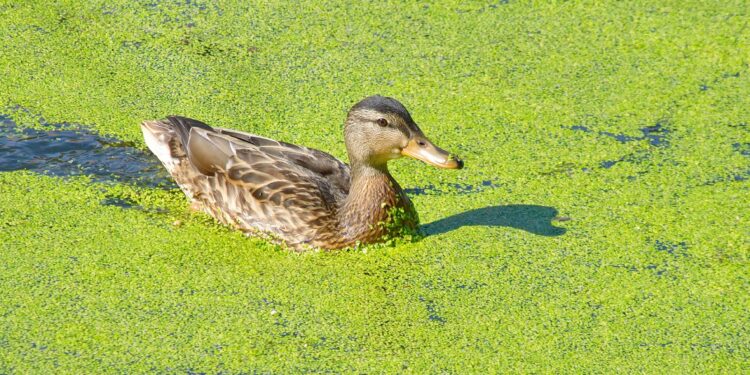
(305, 197)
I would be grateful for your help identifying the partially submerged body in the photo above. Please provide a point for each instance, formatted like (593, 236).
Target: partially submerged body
(300, 196)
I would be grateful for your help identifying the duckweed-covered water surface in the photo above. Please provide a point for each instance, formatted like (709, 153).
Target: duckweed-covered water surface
(600, 224)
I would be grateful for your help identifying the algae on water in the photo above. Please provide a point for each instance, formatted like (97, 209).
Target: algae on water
(630, 118)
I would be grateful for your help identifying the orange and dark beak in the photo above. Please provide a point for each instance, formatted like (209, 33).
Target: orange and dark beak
(419, 147)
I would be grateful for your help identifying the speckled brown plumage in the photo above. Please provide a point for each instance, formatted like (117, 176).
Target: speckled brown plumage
(300, 196)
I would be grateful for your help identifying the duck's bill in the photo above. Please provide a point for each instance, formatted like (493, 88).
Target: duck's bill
(422, 149)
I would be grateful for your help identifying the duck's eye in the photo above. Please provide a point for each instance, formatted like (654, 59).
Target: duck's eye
(382, 122)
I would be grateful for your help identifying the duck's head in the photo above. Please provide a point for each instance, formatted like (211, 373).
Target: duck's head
(379, 129)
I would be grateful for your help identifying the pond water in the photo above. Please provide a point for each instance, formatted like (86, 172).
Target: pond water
(69, 150)
(453, 188)
(655, 134)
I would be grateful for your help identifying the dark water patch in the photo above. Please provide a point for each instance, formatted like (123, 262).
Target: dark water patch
(498, 3)
(107, 10)
(131, 44)
(652, 268)
(187, 4)
(734, 177)
(67, 150)
(431, 311)
(677, 250)
(655, 269)
(41, 347)
(609, 163)
(439, 284)
(531, 218)
(581, 128)
(707, 84)
(638, 157)
(741, 125)
(186, 10)
(659, 344)
(595, 309)
(126, 203)
(565, 167)
(742, 148)
(656, 135)
(627, 267)
(320, 343)
(474, 285)
(622, 138)
(119, 202)
(35, 28)
(453, 188)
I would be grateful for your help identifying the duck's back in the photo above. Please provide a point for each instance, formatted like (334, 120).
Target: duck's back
(254, 183)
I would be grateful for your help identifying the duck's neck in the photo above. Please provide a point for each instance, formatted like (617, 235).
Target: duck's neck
(372, 195)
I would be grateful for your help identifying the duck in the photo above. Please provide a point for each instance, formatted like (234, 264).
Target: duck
(301, 197)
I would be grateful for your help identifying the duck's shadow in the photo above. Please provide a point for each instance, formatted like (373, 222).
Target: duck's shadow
(531, 218)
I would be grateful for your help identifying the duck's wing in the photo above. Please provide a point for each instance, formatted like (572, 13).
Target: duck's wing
(262, 183)
(214, 145)
(320, 163)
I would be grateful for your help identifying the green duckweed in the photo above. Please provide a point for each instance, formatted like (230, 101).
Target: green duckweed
(628, 118)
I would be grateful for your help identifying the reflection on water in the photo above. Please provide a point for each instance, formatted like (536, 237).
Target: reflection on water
(452, 188)
(656, 135)
(65, 151)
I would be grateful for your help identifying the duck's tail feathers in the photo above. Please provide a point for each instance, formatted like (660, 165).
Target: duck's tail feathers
(161, 139)
(168, 139)
(182, 126)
